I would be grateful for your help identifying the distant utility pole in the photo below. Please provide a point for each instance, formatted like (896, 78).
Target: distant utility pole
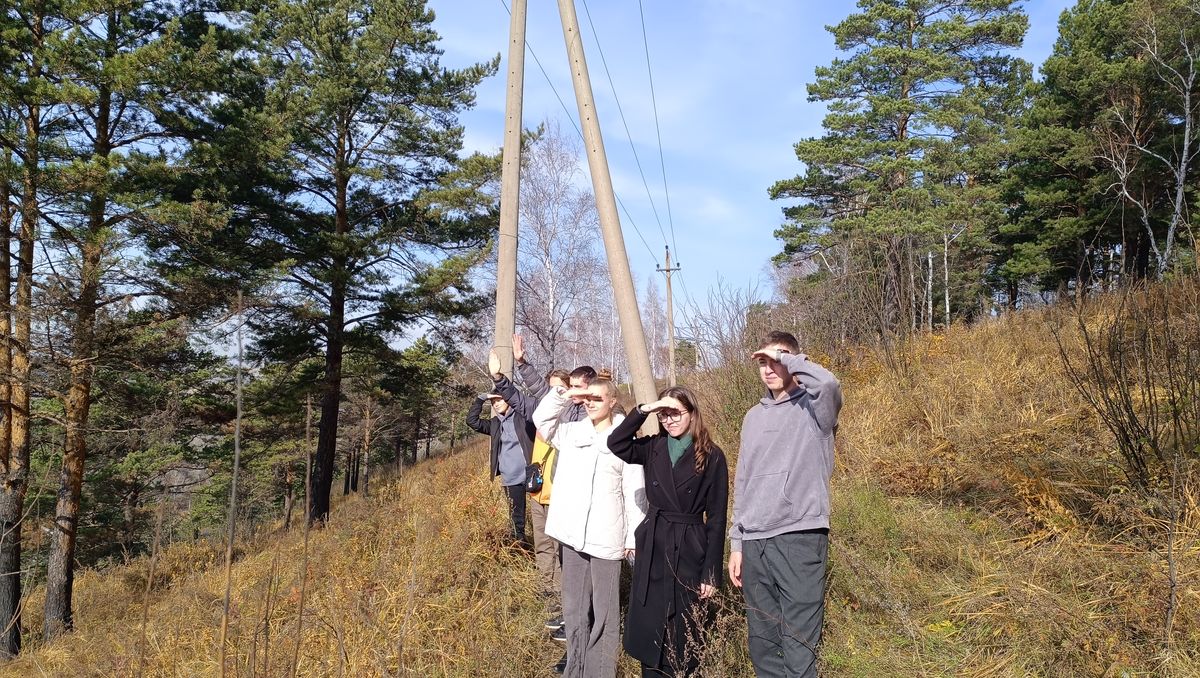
(610, 223)
(670, 319)
(510, 192)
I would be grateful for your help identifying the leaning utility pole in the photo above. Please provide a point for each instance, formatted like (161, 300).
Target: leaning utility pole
(610, 223)
(510, 192)
(670, 319)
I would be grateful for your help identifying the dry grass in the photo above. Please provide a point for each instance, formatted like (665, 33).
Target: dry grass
(414, 581)
(982, 528)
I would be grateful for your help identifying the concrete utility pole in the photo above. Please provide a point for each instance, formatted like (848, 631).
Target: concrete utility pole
(610, 223)
(510, 192)
(670, 319)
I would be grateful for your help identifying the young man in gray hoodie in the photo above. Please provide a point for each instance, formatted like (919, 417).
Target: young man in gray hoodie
(779, 533)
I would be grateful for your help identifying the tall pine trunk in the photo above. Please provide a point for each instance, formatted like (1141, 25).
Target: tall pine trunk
(60, 567)
(129, 522)
(8, 213)
(331, 395)
(289, 495)
(15, 480)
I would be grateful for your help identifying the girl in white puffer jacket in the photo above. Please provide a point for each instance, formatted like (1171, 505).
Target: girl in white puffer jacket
(598, 501)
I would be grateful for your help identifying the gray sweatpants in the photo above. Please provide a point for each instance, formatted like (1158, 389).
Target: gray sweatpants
(783, 580)
(592, 614)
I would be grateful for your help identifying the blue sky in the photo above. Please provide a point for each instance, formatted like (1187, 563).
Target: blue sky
(729, 81)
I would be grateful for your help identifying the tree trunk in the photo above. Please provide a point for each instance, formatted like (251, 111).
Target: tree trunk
(15, 481)
(60, 569)
(366, 480)
(929, 292)
(8, 212)
(912, 288)
(129, 504)
(331, 396)
(416, 441)
(946, 276)
(289, 495)
(330, 400)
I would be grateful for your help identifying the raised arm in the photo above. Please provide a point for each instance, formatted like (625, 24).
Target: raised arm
(531, 379)
(522, 403)
(473, 419)
(823, 388)
(622, 442)
(545, 415)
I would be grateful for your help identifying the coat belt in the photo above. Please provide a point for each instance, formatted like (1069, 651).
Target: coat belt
(653, 515)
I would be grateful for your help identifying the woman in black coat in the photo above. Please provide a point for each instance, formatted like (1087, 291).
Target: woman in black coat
(681, 544)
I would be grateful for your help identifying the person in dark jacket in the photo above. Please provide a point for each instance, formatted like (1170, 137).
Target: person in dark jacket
(680, 545)
(512, 448)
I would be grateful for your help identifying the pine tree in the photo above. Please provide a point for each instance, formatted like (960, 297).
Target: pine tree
(1058, 184)
(27, 95)
(366, 116)
(918, 113)
(120, 61)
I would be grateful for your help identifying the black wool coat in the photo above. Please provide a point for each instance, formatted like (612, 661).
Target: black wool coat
(491, 427)
(679, 545)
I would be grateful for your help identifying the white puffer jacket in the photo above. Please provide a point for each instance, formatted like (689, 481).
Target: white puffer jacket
(598, 499)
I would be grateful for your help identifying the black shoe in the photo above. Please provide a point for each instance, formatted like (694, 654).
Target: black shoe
(554, 623)
(561, 666)
(560, 635)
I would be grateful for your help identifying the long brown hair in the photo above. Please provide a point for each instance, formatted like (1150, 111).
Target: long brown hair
(700, 438)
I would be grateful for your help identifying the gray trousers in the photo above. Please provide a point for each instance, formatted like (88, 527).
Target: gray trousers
(545, 550)
(783, 580)
(591, 613)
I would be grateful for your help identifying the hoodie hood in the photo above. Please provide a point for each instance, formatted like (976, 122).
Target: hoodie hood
(768, 400)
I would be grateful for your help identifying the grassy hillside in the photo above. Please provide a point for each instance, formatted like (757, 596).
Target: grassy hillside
(982, 527)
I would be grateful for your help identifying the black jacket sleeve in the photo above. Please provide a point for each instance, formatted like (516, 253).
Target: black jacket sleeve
(474, 421)
(715, 513)
(623, 444)
(522, 403)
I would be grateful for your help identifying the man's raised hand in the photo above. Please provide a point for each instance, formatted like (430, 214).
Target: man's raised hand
(769, 354)
(518, 349)
(494, 364)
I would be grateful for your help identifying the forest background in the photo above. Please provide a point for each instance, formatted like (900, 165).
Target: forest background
(235, 227)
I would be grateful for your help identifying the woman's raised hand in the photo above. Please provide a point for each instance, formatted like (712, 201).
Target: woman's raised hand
(667, 403)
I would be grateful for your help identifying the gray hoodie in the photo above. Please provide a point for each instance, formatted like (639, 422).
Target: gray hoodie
(786, 458)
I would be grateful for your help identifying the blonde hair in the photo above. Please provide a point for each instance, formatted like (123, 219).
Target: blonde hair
(606, 383)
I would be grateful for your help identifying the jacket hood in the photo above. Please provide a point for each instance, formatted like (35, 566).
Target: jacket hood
(769, 400)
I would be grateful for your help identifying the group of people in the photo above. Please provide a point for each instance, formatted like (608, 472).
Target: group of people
(659, 502)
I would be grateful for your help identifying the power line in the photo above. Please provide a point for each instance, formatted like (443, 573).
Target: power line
(657, 128)
(621, 111)
(575, 125)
